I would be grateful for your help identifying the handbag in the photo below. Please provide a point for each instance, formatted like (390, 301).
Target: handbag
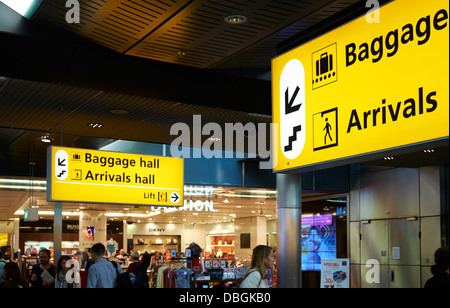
(215, 273)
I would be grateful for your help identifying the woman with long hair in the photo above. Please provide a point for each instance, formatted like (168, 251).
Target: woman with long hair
(12, 276)
(61, 274)
(262, 260)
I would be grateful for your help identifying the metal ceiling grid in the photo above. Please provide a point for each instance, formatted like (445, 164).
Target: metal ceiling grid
(259, 54)
(192, 33)
(116, 24)
(199, 36)
(40, 107)
(37, 106)
(10, 201)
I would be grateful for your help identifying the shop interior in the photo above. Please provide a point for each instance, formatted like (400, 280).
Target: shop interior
(206, 207)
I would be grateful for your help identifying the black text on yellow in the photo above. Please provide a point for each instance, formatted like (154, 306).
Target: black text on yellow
(392, 113)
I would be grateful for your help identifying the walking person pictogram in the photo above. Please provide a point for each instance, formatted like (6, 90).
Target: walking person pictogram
(327, 128)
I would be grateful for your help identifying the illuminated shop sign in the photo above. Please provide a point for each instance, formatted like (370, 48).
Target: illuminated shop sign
(192, 206)
(364, 88)
(81, 175)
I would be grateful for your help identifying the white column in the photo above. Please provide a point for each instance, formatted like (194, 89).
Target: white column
(125, 236)
(94, 221)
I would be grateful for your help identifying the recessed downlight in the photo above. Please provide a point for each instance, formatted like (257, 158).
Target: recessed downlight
(236, 19)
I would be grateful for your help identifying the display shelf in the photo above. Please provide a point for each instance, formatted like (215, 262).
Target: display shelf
(220, 245)
(223, 245)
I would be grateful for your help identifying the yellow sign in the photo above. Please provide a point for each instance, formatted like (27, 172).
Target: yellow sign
(364, 88)
(80, 175)
(3, 239)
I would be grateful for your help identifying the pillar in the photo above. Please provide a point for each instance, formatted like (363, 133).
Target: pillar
(57, 231)
(125, 236)
(16, 238)
(92, 229)
(289, 252)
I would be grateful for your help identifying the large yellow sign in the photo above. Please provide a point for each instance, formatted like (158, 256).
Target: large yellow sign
(364, 87)
(80, 175)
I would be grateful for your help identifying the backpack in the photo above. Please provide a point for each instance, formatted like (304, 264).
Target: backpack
(123, 280)
(128, 280)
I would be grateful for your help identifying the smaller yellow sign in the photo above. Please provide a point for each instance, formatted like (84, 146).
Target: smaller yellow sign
(3, 239)
(81, 175)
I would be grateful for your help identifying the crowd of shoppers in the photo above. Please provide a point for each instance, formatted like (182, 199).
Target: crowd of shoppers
(99, 271)
(102, 273)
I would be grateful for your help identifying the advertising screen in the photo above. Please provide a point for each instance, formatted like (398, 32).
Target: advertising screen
(318, 240)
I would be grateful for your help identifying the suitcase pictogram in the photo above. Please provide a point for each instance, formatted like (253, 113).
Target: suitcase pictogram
(324, 64)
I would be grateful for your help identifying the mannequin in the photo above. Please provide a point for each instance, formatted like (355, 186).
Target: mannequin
(111, 247)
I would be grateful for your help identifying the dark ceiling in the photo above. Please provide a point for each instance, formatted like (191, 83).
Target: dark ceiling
(140, 66)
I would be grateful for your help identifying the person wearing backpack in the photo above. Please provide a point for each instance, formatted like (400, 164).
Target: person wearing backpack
(102, 273)
(262, 259)
(139, 280)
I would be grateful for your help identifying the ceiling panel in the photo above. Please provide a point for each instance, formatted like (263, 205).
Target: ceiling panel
(191, 33)
(116, 24)
(199, 36)
(48, 108)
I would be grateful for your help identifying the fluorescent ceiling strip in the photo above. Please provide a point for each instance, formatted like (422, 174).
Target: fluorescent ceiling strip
(22, 187)
(26, 8)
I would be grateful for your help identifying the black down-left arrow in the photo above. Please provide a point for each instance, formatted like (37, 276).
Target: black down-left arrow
(290, 102)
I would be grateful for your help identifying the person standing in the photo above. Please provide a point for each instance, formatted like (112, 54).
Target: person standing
(134, 267)
(102, 273)
(2, 265)
(43, 273)
(61, 274)
(440, 273)
(256, 276)
(12, 277)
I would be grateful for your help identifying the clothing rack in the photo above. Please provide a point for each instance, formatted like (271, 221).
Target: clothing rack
(173, 265)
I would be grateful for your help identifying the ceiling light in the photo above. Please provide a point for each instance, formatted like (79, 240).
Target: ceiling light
(95, 125)
(428, 151)
(46, 139)
(26, 8)
(236, 19)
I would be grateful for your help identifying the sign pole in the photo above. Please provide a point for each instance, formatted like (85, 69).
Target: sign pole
(57, 232)
(289, 252)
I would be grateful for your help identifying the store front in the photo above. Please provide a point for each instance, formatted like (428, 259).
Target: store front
(227, 222)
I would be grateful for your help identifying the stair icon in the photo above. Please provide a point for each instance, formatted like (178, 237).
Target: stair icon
(293, 138)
